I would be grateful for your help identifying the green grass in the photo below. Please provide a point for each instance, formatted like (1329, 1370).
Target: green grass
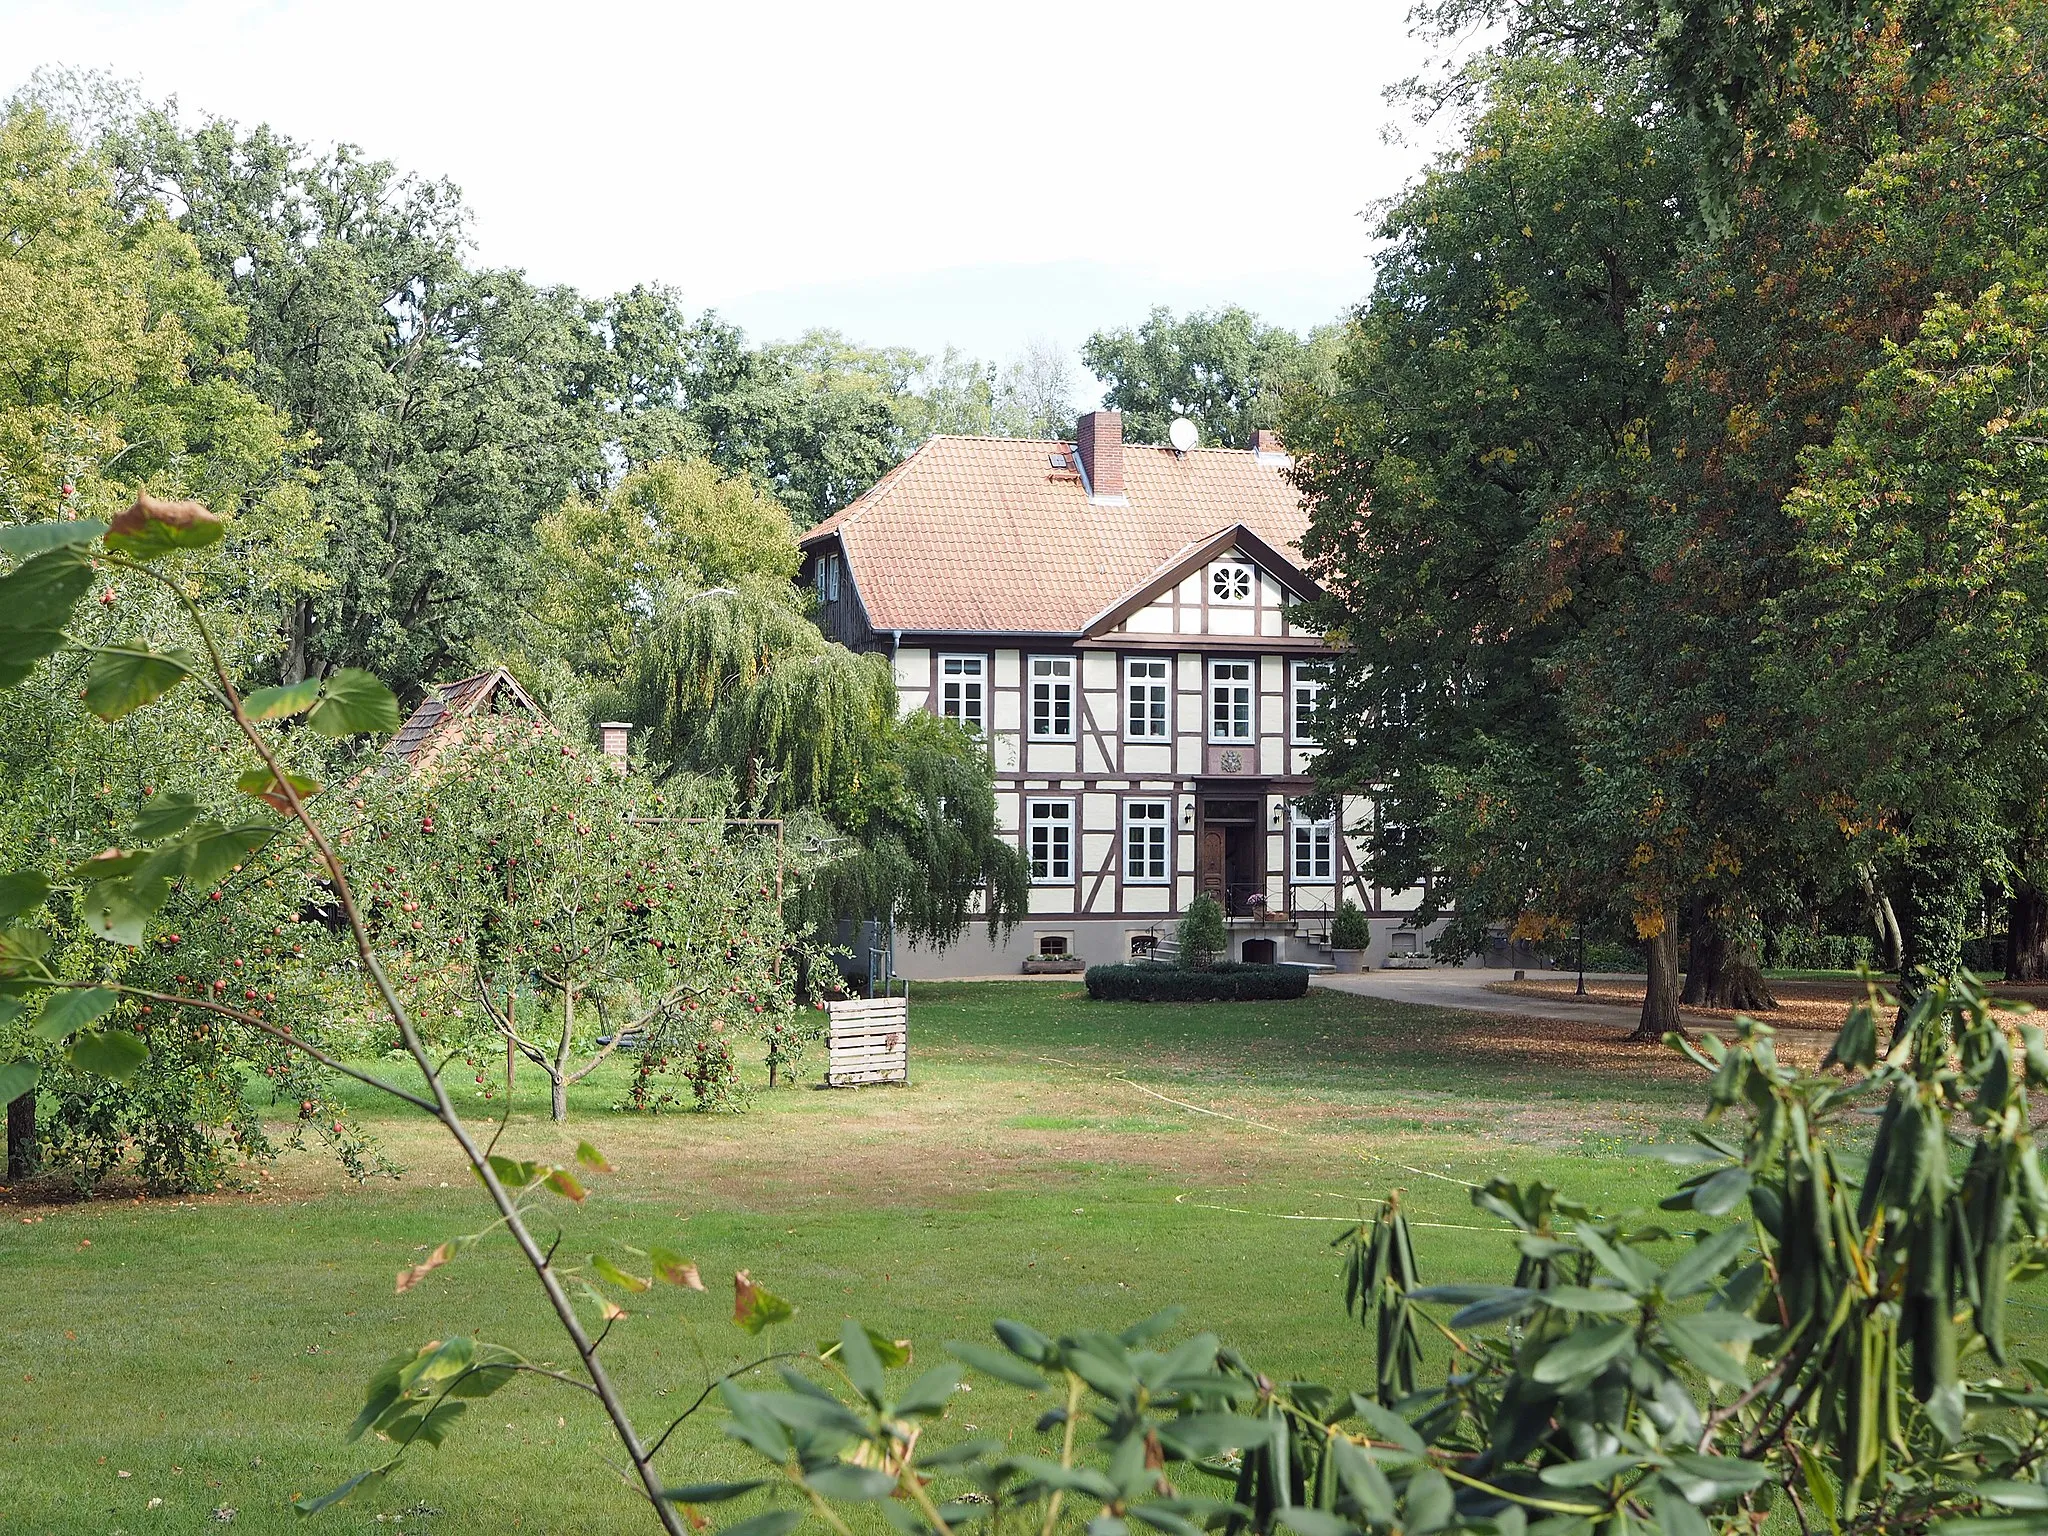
(1068, 1163)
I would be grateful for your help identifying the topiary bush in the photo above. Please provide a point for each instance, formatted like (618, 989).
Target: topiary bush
(1201, 933)
(1227, 983)
(1349, 929)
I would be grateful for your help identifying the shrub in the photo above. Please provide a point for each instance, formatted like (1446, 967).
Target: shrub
(1349, 929)
(1792, 950)
(1201, 934)
(1212, 984)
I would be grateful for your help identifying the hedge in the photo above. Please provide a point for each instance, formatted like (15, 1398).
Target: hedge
(1225, 983)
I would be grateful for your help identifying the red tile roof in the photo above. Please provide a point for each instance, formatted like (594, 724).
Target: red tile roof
(447, 705)
(987, 534)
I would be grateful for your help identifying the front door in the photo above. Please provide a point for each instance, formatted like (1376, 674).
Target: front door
(1210, 867)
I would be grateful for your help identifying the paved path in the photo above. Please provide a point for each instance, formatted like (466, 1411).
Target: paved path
(1466, 988)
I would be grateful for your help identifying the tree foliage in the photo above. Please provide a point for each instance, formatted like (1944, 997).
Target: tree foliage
(1224, 370)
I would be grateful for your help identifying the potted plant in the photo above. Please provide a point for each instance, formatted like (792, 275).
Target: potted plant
(1350, 938)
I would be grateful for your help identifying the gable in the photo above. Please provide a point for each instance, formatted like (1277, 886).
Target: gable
(1231, 586)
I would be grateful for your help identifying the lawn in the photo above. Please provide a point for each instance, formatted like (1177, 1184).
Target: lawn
(1054, 1160)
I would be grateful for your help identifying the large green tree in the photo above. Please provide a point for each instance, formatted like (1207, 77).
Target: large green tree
(741, 683)
(1224, 369)
(1490, 395)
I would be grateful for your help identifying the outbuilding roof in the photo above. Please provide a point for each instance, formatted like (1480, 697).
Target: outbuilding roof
(447, 705)
(999, 535)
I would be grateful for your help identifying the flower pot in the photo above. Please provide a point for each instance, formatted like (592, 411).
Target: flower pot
(1348, 961)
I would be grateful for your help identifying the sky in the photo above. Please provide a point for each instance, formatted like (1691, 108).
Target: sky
(909, 173)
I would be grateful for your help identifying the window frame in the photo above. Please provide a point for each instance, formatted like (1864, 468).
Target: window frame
(981, 679)
(1031, 820)
(1031, 685)
(1163, 683)
(1163, 823)
(1300, 675)
(1250, 683)
(1323, 831)
(828, 577)
(1251, 585)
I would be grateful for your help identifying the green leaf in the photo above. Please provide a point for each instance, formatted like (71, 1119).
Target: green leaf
(1364, 1481)
(755, 1307)
(589, 1157)
(18, 946)
(567, 1185)
(1705, 1479)
(353, 701)
(1699, 1349)
(208, 853)
(1197, 1436)
(71, 1009)
(39, 594)
(617, 1276)
(1993, 1525)
(1388, 1425)
(671, 1268)
(17, 1078)
(1723, 1192)
(22, 540)
(313, 1506)
(263, 784)
(1697, 1270)
(151, 529)
(1583, 1351)
(22, 892)
(1314, 1522)
(842, 1480)
(1147, 1329)
(107, 864)
(514, 1173)
(713, 1493)
(1579, 1298)
(1676, 1516)
(931, 1392)
(111, 1053)
(119, 910)
(2012, 1495)
(1592, 1471)
(858, 1359)
(282, 702)
(776, 1522)
(22, 649)
(123, 678)
(164, 815)
(993, 1362)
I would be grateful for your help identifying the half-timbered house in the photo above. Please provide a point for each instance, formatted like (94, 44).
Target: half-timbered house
(1117, 623)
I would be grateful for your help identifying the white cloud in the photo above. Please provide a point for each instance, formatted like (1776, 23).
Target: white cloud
(737, 149)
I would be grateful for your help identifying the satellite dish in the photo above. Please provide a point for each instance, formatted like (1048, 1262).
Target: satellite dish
(1183, 434)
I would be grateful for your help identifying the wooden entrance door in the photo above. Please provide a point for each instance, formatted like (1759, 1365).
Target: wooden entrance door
(1209, 867)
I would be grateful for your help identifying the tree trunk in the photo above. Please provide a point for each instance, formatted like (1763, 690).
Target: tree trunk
(1942, 885)
(1724, 969)
(1660, 996)
(2026, 935)
(558, 1074)
(22, 1153)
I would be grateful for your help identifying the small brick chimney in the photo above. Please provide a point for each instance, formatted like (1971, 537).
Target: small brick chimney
(611, 737)
(1100, 438)
(1265, 440)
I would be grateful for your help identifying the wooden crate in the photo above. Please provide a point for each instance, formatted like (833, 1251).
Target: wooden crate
(867, 1040)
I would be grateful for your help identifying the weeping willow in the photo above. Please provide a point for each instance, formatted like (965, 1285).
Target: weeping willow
(741, 684)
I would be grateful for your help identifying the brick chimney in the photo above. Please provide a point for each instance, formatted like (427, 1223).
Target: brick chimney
(1267, 448)
(1100, 438)
(611, 737)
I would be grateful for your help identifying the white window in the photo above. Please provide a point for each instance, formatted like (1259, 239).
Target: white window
(1310, 679)
(1230, 701)
(1314, 844)
(1231, 581)
(1146, 695)
(828, 578)
(1052, 698)
(963, 690)
(1051, 846)
(1147, 842)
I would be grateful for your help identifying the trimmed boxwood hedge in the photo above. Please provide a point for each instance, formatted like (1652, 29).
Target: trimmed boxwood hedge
(1227, 983)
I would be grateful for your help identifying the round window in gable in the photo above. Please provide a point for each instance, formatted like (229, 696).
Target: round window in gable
(1230, 583)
